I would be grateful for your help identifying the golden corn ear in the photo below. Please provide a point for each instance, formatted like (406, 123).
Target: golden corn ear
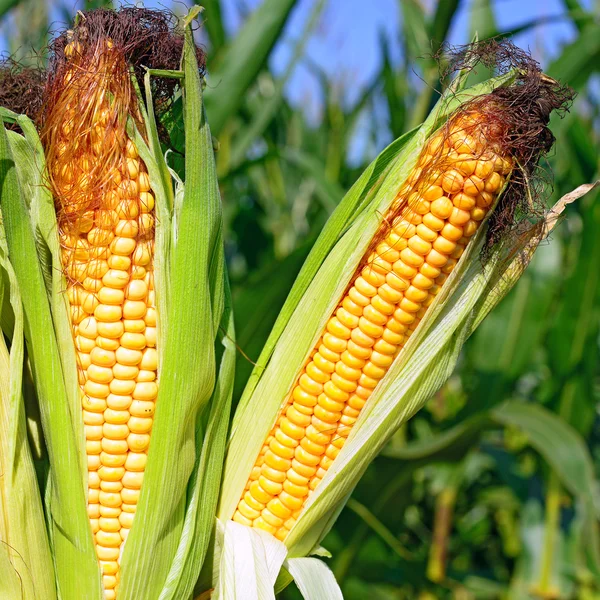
(458, 177)
(106, 218)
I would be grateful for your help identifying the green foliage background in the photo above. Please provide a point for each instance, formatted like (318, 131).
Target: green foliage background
(492, 490)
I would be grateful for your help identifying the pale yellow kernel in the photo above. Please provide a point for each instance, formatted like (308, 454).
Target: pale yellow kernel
(107, 343)
(146, 201)
(112, 487)
(111, 499)
(99, 374)
(88, 328)
(147, 390)
(130, 496)
(107, 553)
(473, 185)
(118, 417)
(93, 460)
(133, 480)
(93, 480)
(100, 237)
(125, 372)
(127, 228)
(116, 278)
(137, 290)
(149, 359)
(122, 387)
(138, 442)
(139, 424)
(115, 431)
(109, 524)
(96, 390)
(144, 182)
(142, 255)
(128, 357)
(134, 309)
(138, 272)
(102, 358)
(119, 402)
(133, 341)
(150, 317)
(136, 461)
(108, 539)
(92, 285)
(410, 257)
(134, 325)
(123, 246)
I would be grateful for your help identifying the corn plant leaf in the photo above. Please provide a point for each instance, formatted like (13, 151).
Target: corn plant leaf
(242, 59)
(6, 5)
(314, 579)
(565, 451)
(414, 28)
(214, 24)
(557, 442)
(482, 25)
(69, 530)
(27, 567)
(578, 60)
(576, 317)
(188, 363)
(268, 109)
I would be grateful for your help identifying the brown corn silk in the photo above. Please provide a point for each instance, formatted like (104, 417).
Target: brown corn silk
(105, 210)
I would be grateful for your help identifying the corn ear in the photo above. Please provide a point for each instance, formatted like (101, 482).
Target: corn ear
(175, 515)
(425, 362)
(339, 249)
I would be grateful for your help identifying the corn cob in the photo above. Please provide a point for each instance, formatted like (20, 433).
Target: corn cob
(457, 180)
(107, 242)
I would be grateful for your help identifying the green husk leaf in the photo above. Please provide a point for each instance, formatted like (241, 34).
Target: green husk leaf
(31, 164)
(69, 530)
(206, 479)
(193, 264)
(25, 556)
